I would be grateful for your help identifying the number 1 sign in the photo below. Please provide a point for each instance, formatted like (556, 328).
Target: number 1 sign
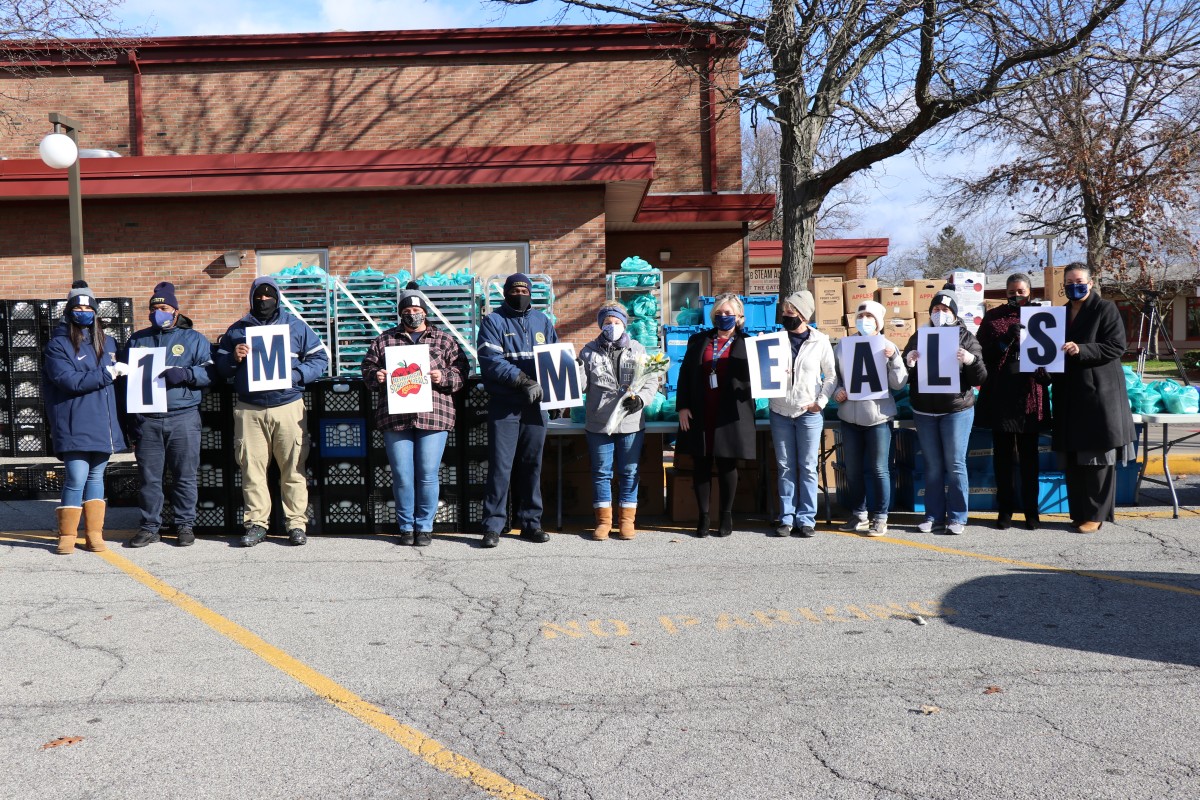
(145, 389)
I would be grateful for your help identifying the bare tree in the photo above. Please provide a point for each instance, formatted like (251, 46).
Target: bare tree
(36, 35)
(1107, 152)
(864, 79)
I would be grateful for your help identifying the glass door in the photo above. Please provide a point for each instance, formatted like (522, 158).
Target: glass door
(683, 288)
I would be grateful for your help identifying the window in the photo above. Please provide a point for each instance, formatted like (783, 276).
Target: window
(483, 260)
(273, 261)
(1193, 317)
(683, 287)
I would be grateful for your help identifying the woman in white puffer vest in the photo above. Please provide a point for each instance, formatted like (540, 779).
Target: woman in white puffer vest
(798, 419)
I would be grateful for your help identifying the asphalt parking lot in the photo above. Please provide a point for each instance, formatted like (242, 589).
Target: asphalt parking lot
(996, 664)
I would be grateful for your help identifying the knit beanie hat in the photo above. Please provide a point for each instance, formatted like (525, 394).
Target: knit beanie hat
(81, 295)
(612, 309)
(518, 280)
(803, 302)
(876, 310)
(944, 298)
(412, 297)
(164, 293)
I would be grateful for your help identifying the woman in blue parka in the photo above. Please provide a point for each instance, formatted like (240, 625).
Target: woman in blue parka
(80, 366)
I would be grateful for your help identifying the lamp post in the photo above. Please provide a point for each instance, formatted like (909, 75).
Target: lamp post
(1049, 237)
(60, 150)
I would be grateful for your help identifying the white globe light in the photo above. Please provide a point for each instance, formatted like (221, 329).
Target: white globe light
(58, 151)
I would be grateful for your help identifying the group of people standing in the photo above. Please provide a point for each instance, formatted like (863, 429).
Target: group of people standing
(1093, 428)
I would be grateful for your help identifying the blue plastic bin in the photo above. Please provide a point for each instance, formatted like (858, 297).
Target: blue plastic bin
(675, 339)
(761, 309)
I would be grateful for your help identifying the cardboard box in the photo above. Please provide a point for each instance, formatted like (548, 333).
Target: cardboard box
(898, 331)
(827, 293)
(1053, 285)
(988, 305)
(854, 292)
(848, 320)
(834, 332)
(923, 292)
(898, 300)
(971, 315)
(921, 318)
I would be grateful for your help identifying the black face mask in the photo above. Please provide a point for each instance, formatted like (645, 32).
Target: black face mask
(518, 302)
(265, 308)
(1016, 301)
(792, 323)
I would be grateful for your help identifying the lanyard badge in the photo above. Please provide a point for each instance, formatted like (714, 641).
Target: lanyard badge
(712, 376)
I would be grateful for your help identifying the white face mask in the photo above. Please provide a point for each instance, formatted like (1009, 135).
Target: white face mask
(940, 318)
(613, 331)
(866, 325)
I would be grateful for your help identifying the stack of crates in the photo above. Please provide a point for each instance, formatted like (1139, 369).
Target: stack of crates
(459, 304)
(218, 480)
(471, 452)
(374, 293)
(308, 296)
(338, 458)
(116, 315)
(27, 432)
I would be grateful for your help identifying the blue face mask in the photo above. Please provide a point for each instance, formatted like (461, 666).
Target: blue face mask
(161, 319)
(84, 318)
(725, 322)
(1076, 291)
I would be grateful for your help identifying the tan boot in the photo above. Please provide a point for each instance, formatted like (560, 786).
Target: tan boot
(93, 525)
(627, 528)
(68, 528)
(603, 523)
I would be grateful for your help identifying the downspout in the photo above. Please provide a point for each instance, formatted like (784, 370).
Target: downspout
(745, 258)
(135, 122)
(708, 116)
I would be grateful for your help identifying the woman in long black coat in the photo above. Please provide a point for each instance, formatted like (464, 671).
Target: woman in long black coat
(716, 411)
(1093, 426)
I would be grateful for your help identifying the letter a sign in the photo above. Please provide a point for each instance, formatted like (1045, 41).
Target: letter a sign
(269, 365)
(770, 362)
(1042, 340)
(864, 367)
(558, 375)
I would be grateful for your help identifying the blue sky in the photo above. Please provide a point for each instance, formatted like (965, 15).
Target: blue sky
(895, 208)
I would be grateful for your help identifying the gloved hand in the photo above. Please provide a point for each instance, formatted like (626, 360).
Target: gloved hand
(117, 370)
(531, 388)
(297, 376)
(175, 376)
(912, 357)
(965, 358)
(632, 404)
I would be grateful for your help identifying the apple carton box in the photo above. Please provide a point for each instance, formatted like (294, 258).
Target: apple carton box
(827, 293)
(898, 300)
(923, 292)
(854, 292)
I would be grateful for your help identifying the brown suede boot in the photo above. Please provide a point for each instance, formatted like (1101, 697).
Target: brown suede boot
(93, 525)
(68, 528)
(627, 528)
(603, 523)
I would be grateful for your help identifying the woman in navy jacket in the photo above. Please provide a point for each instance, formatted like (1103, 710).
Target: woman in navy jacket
(80, 367)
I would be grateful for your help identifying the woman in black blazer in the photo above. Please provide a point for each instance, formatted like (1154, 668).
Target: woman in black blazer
(1093, 426)
(716, 411)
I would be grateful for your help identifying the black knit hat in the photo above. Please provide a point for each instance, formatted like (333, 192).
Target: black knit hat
(944, 298)
(81, 295)
(412, 297)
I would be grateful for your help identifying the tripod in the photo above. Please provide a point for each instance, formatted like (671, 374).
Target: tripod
(1150, 330)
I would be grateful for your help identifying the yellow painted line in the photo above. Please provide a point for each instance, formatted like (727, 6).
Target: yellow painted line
(1180, 465)
(1166, 587)
(411, 739)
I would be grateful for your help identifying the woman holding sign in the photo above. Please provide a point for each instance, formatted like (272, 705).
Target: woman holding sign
(716, 410)
(81, 407)
(415, 442)
(1093, 426)
(944, 363)
(797, 420)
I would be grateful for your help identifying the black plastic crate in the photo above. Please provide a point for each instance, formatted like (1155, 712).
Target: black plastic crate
(472, 404)
(119, 332)
(215, 512)
(473, 435)
(111, 310)
(218, 420)
(345, 512)
(22, 335)
(347, 473)
(28, 412)
(22, 361)
(216, 438)
(27, 444)
(25, 385)
(339, 397)
(214, 473)
(18, 311)
(121, 484)
(218, 399)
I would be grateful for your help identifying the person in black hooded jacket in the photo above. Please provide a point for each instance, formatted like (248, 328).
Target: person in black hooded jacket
(944, 422)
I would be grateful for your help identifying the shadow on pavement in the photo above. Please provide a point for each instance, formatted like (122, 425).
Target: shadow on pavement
(1097, 615)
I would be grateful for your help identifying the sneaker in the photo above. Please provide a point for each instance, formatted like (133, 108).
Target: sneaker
(185, 536)
(424, 538)
(406, 538)
(804, 531)
(955, 528)
(929, 526)
(491, 539)
(855, 525)
(143, 538)
(297, 537)
(536, 535)
(254, 534)
(782, 530)
(878, 528)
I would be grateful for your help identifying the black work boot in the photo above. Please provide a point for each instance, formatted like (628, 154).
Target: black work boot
(424, 538)
(491, 539)
(297, 537)
(254, 535)
(536, 535)
(143, 537)
(405, 538)
(185, 536)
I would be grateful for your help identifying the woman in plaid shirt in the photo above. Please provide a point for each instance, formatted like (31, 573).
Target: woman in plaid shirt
(415, 442)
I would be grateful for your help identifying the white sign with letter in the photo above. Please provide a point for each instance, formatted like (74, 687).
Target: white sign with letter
(864, 367)
(937, 367)
(558, 375)
(770, 362)
(269, 363)
(409, 390)
(1043, 337)
(145, 389)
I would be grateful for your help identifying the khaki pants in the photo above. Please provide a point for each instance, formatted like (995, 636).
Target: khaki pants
(260, 434)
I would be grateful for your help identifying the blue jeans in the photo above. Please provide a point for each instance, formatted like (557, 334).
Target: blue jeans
(797, 447)
(415, 457)
(626, 448)
(515, 440)
(944, 443)
(85, 477)
(168, 442)
(866, 452)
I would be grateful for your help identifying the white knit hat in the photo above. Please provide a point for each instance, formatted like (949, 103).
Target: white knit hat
(874, 309)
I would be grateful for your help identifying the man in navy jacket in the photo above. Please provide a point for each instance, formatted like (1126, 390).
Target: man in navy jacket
(516, 421)
(172, 439)
(273, 423)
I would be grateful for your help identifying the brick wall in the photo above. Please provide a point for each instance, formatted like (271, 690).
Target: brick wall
(721, 251)
(132, 244)
(386, 104)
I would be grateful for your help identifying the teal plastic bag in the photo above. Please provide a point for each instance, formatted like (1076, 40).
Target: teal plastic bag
(654, 408)
(635, 264)
(667, 411)
(689, 316)
(1152, 402)
(1177, 399)
(762, 408)
(578, 414)
(644, 306)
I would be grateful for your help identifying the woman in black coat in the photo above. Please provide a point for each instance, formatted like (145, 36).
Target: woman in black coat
(1093, 426)
(716, 411)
